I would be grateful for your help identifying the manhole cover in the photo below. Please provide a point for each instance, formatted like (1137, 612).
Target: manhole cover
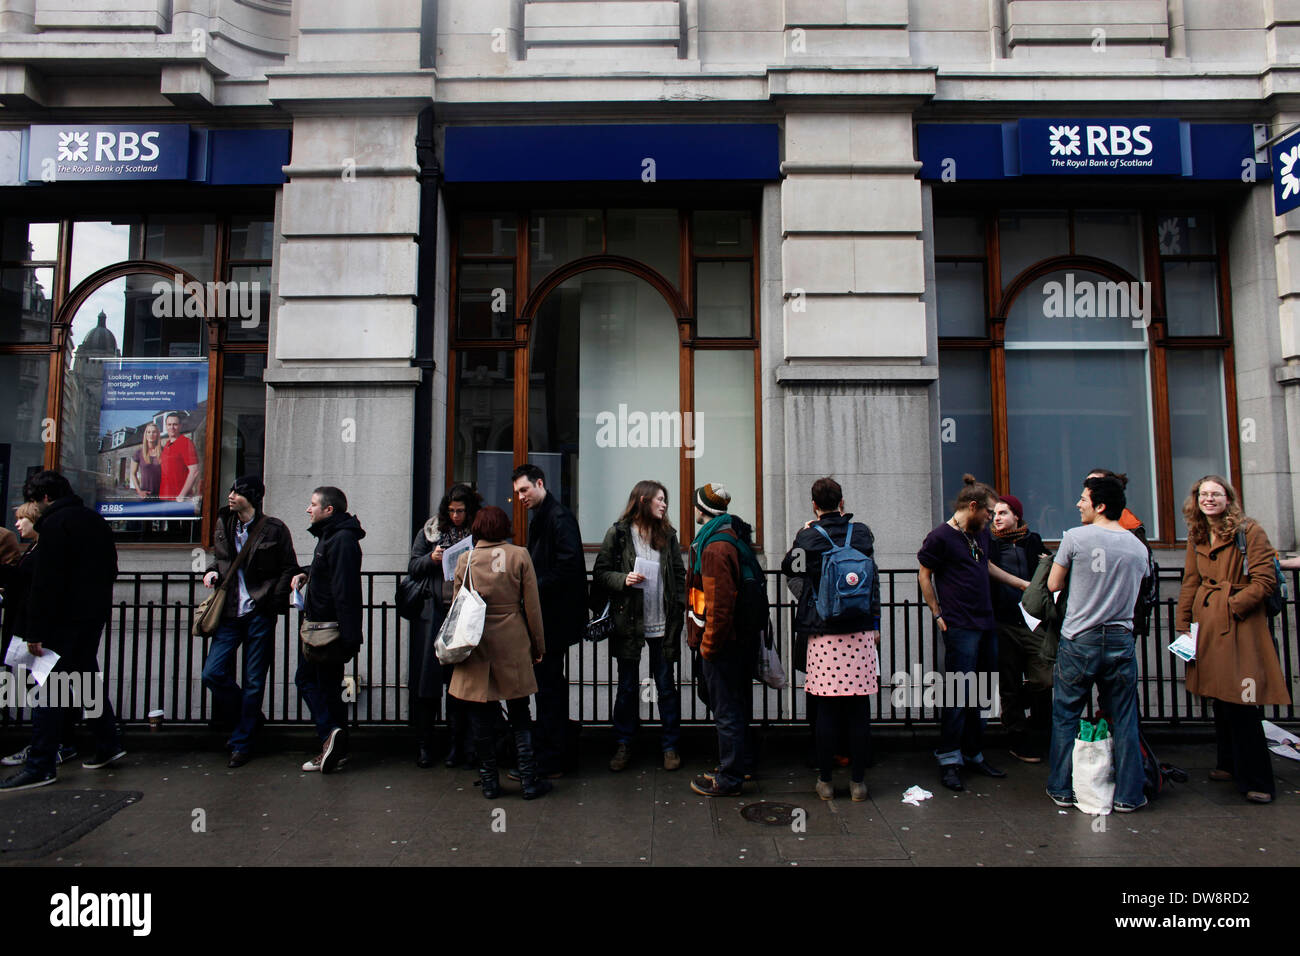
(771, 814)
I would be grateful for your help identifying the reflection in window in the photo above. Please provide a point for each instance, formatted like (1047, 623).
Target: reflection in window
(1198, 427)
(26, 304)
(96, 245)
(24, 391)
(243, 417)
(483, 435)
(1026, 236)
(560, 236)
(965, 418)
(653, 236)
(723, 426)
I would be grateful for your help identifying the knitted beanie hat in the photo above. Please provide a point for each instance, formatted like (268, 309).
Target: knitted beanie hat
(713, 499)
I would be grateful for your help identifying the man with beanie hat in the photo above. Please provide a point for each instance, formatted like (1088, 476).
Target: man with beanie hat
(713, 585)
(1024, 678)
(258, 595)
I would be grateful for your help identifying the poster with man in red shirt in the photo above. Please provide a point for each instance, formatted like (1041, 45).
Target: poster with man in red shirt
(180, 463)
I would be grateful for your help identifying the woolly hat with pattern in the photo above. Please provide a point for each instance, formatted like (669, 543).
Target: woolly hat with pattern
(713, 499)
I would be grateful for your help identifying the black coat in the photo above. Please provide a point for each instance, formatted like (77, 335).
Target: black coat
(427, 674)
(72, 581)
(555, 545)
(807, 551)
(334, 577)
(267, 572)
(16, 579)
(1021, 559)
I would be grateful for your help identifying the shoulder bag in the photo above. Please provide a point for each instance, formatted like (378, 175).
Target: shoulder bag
(207, 616)
(463, 628)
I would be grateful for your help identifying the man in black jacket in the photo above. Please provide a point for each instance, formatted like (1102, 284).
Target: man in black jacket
(555, 545)
(1024, 678)
(71, 600)
(254, 601)
(333, 581)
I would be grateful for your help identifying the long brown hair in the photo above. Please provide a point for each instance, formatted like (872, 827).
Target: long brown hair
(638, 512)
(1198, 526)
(145, 457)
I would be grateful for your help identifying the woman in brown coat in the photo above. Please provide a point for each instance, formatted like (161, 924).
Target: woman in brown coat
(1236, 663)
(501, 667)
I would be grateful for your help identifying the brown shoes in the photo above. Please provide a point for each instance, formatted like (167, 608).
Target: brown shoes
(1257, 796)
(858, 791)
(1220, 775)
(622, 754)
(672, 760)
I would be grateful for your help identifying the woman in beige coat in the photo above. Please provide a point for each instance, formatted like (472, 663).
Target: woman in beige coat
(1236, 663)
(501, 667)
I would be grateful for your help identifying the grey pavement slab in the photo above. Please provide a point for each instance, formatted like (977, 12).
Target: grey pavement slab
(384, 811)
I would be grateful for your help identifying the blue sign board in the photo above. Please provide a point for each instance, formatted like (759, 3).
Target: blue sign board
(72, 152)
(1124, 147)
(1286, 184)
(647, 152)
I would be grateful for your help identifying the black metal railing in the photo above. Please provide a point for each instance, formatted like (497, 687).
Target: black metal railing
(151, 661)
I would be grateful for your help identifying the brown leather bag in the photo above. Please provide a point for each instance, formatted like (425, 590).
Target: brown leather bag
(207, 616)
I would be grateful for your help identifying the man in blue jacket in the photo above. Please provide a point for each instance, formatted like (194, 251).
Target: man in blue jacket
(333, 581)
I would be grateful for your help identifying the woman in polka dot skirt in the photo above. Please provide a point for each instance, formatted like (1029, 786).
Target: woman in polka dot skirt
(843, 655)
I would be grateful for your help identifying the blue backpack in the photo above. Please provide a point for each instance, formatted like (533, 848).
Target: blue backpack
(848, 576)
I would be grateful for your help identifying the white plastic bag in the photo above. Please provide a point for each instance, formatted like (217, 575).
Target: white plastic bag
(463, 628)
(1094, 775)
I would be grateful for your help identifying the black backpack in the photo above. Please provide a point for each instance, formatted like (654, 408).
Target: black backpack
(1275, 602)
(1155, 772)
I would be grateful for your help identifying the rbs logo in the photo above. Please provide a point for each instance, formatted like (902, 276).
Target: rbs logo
(126, 146)
(1119, 139)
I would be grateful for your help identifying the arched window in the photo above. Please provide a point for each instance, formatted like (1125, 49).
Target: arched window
(615, 345)
(1080, 339)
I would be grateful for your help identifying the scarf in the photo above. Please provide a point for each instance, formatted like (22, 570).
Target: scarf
(711, 530)
(1014, 535)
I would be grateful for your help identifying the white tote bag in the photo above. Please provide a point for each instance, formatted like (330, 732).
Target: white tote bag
(1094, 775)
(463, 628)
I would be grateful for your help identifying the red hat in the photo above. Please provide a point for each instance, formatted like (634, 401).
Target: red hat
(1014, 504)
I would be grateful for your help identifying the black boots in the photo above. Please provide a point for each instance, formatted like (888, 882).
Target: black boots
(459, 754)
(534, 786)
(426, 712)
(487, 768)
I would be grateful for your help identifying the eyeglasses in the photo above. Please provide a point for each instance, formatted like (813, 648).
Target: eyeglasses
(1212, 495)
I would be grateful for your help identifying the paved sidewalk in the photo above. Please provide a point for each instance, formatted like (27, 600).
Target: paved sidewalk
(383, 810)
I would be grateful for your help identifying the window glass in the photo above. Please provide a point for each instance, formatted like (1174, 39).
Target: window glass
(243, 417)
(22, 241)
(26, 304)
(1198, 429)
(485, 297)
(1185, 233)
(99, 244)
(1071, 411)
(1026, 236)
(1113, 235)
(488, 235)
(560, 236)
(1191, 297)
(606, 414)
(483, 439)
(723, 426)
(724, 291)
(186, 242)
(652, 236)
(965, 418)
(1074, 305)
(959, 299)
(728, 232)
(135, 407)
(251, 237)
(24, 388)
(959, 235)
(247, 311)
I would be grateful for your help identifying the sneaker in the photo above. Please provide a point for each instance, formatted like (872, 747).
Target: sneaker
(672, 760)
(1128, 807)
(707, 786)
(622, 754)
(826, 789)
(330, 753)
(312, 765)
(858, 791)
(66, 753)
(104, 759)
(27, 779)
(16, 760)
(1063, 800)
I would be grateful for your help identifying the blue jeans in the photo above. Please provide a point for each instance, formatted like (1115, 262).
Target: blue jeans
(627, 704)
(961, 732)
(730, 679)
(1103, 656)
(243, 707)
(321, 687)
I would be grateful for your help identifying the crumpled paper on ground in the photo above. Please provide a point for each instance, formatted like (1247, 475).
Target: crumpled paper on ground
(914, 795)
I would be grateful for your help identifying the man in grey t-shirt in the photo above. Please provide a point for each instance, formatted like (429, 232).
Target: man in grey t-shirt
(1104, 564)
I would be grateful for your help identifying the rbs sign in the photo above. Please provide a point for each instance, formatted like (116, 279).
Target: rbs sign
(1100, 147)
(114, 153)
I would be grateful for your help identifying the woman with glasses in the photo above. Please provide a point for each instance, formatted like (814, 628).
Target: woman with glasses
(451, 524)
(1236, 664)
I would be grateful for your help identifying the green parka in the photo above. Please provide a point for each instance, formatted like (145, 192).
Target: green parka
(616, 559)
